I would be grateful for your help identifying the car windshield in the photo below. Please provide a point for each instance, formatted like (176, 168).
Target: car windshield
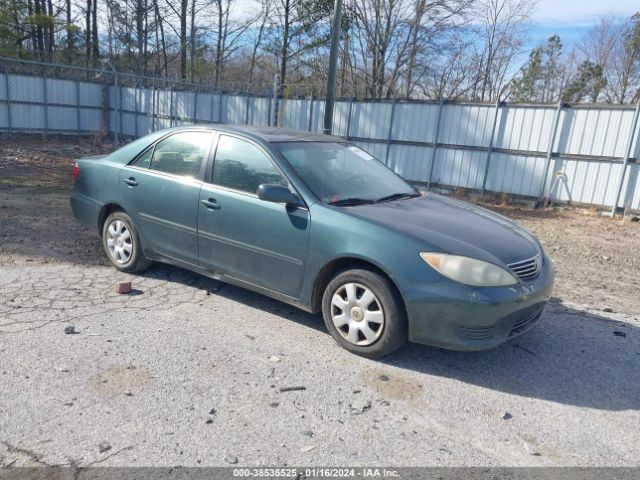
(344, 174)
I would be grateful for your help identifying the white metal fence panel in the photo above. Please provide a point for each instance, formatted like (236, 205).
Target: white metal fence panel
(524, 128)
(487, 147)
(631, 197)
(259, 109)
(411, 162)
(294, 113)
(459, 168)
(466, 124)
(415, 122)
(594, 131)
(370, 120)
(515, 174)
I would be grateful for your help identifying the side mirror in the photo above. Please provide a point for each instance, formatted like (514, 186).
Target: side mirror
(278, 194)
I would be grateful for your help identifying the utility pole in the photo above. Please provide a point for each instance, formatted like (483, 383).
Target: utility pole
(333, 63)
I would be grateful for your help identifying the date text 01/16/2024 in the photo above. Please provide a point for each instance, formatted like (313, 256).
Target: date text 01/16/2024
(315, 472)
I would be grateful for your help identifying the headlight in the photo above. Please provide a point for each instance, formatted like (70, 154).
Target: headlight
(469, 271)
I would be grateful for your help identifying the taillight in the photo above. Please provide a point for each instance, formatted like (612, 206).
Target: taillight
(76, 171)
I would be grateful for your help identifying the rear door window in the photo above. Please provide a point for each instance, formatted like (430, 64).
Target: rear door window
(181, 154)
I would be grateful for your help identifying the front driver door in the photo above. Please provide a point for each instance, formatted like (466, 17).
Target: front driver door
(161, 190)
(259, 242)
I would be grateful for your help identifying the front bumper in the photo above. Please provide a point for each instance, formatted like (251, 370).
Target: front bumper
(451, 315)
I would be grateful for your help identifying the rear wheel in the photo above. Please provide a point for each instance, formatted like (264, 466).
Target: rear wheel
(122, 245)
(364, 314)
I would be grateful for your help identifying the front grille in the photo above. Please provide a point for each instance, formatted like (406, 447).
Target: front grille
(526, 322)
(527, 269)
(476, 333)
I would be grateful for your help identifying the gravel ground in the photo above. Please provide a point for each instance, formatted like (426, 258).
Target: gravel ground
(187, 371)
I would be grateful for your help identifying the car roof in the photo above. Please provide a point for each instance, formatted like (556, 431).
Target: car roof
(271, 134)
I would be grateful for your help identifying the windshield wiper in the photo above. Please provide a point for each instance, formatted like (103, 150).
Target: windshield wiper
(345, 202)
(397, 196)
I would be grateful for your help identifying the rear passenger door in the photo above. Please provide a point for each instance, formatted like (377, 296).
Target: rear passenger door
(161, 190)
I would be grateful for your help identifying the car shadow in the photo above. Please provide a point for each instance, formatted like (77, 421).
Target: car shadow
(570, 357)
(249, 298)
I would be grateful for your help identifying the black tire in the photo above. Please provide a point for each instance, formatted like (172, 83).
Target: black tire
(136, 261)
(393, 332)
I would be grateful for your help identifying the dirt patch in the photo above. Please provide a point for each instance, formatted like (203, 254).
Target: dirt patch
(39, 227)
(39, 162)
(36, 224)
(596, 257)
(117, 380)
(392, 386)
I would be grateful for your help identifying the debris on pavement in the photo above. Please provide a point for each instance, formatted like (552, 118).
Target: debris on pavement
(618, 333)
(307, 433)
(274, 358)
(212, 412)
(507, 416)
(71, 330)
(231, 459)
(360, 406)
(104, 447)
(308, 448)
(123, 287)
(292, 389)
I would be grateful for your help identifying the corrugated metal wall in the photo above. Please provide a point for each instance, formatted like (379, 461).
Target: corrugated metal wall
(499, 148)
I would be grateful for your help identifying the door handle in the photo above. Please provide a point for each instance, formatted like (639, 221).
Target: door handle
(132, 182)
(211, 204)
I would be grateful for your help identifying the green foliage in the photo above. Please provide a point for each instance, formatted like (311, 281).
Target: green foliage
(308, 27)
(539, 79)
(71, 28)
(12, 21)
(587, 83)
(524, 88)
(632, 35)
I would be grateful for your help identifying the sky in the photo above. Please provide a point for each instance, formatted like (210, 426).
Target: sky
(570, 18)
(567, 18)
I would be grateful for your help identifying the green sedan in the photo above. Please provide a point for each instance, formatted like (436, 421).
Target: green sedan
(317, 222)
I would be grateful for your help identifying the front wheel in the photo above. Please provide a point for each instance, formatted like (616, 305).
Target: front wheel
(122, 245)
(364, 313)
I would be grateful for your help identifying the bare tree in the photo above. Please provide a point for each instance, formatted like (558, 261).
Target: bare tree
(379, 29)
(298, 29)
(433, 19)
(501, 37)
(449, 74)
(181, 11)
(257, 42)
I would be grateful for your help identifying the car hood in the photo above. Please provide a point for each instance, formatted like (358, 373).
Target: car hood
(452, 226)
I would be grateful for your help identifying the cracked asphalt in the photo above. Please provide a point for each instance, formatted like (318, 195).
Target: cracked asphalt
(188, 371)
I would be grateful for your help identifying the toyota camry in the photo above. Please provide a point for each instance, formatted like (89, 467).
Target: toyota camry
(317, 222)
